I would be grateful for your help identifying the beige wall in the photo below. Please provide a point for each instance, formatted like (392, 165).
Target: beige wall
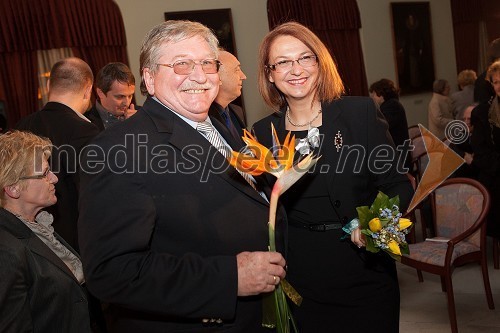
(250, 25)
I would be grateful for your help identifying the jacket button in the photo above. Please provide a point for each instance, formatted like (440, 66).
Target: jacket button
(336, 203)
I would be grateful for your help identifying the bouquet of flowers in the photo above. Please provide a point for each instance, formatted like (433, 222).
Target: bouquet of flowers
(256, 160)
(383, 226)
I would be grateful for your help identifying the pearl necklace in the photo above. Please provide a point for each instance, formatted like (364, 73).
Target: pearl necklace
(300, 125)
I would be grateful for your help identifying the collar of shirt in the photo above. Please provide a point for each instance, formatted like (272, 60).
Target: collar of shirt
(191, 123)
(82, 116)
(107, 117)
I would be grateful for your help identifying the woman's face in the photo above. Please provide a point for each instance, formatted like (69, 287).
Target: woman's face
(495, 82)
(39, 193)
(297, 82)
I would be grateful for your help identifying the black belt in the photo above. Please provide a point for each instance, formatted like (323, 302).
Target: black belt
(321, 227)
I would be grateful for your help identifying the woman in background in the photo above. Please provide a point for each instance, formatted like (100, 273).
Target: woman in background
(440, 111)
(385, 93)
(41, 276)
(485, 142)
(344, 287)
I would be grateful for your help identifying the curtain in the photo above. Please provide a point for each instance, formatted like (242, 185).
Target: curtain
(45, 60)
(337, 24)
(473, 22)
(93, 29)
(18, 71)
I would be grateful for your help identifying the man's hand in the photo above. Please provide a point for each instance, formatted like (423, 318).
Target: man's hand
(468, 158)
(259, 272)
(130, 112)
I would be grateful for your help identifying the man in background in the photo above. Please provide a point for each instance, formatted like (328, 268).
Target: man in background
(115, 86)
(231, 82)
(3, 123)
(62, 121)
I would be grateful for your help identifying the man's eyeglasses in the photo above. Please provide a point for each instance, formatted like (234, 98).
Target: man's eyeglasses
(285, 65)
(44, 175)
(186, 66)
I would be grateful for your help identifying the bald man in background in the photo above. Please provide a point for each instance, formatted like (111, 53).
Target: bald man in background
(231, 82)
(62, 121)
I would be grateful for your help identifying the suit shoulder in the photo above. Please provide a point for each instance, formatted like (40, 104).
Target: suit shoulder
(353, 106)
(265, 122)
(350, 101)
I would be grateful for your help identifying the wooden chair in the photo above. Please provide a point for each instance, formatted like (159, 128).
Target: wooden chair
(411, 237)
(416, 154)
(460, 207)
(414, 131)
(496, 249)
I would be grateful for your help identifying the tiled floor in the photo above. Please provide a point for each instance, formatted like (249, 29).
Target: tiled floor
(424, 306)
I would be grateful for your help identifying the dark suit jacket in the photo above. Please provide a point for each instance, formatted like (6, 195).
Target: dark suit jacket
(236, 112)
(69, 133)
(159, 232)
(38, 293)
(94, 116)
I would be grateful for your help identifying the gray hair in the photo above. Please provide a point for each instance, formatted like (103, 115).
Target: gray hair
(171, 31)
(439, 86)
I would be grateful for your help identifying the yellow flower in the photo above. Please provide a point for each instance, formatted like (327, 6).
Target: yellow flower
(394, 247)
(375, 224)
(404, 223)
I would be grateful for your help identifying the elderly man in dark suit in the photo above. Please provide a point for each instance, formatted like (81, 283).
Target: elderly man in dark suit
(171, 235)
(62, 121)
(231, 81)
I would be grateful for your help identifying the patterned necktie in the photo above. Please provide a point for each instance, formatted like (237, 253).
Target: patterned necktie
(229, 123)
(216, 140)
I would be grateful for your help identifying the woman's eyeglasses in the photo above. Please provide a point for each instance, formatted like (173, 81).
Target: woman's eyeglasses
(285, 65)
(186, 66)
(44, 175)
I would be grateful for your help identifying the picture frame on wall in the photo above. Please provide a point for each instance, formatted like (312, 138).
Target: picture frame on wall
(219, 20)
(412, 44)
(221, 23)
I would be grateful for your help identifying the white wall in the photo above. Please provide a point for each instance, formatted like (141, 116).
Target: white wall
(250, 25)
(377, 41)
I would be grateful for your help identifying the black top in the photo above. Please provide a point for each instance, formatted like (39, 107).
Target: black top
(395, 114)
(485, 142)
(483, 90)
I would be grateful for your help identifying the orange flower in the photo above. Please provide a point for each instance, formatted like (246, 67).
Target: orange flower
(257, 160)
(262, 159)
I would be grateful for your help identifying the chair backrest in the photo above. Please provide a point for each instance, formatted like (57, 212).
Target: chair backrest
(414, 131)
(417, 154)
(460, 204)
(419, 147)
